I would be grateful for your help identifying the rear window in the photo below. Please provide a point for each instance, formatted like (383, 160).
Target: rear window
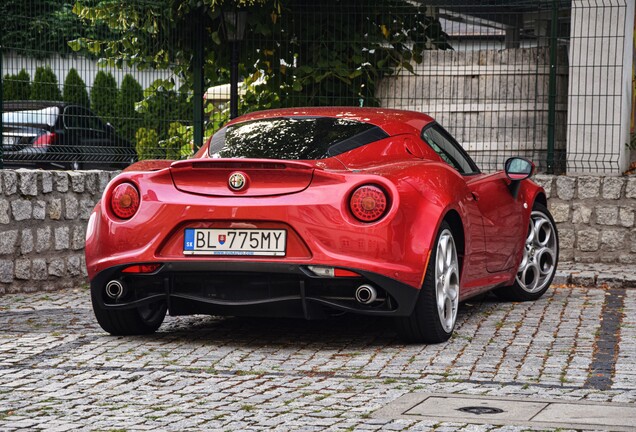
(45, 116)
(293, 138)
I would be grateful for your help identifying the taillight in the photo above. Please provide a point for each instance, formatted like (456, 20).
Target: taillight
(44, 140)
(124, 201)
(368, 203)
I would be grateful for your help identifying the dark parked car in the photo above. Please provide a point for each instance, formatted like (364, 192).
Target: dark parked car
(60, 135)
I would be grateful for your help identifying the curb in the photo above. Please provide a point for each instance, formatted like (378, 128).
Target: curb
(595, 275)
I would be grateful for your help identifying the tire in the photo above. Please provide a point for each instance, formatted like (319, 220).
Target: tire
(540, 258)
(139, 321)
(435, 313)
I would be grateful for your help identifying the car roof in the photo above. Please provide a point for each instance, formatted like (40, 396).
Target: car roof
(31, 105)
(392, 121)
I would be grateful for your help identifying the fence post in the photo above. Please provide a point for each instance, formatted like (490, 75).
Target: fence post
(197, 74)
(552, 87)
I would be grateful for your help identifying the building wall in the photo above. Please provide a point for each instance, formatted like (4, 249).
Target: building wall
(494, 102)
(43, 217)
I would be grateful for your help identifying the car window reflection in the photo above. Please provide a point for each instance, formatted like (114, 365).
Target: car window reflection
(293, 138)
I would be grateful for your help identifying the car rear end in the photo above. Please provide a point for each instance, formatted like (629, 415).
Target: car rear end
(258, 237)
(295, 251)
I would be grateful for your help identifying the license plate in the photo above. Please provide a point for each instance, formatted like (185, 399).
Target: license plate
(244, 242)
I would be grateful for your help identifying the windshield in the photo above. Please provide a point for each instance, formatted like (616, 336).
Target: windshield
(293, 138)
(45, 116)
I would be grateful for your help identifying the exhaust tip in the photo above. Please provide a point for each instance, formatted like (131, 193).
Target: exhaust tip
(114, 289)
(366, 294)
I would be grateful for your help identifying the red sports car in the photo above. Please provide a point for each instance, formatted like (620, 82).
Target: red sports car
(311, 212)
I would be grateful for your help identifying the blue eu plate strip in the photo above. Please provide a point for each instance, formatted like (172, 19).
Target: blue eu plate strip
(188, 242)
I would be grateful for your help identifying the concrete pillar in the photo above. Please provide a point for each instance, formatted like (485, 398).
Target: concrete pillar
(600, 90)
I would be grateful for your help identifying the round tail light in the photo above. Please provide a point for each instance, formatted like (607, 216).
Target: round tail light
(124, 201)
(368, 203)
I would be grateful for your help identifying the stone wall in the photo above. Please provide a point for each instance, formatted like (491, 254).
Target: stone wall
(43, 217)
(595, 217)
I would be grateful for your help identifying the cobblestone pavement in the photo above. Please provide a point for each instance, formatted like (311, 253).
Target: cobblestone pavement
(60, 371)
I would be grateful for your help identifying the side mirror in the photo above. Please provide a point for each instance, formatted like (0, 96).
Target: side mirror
(518, 169)
(110, 130)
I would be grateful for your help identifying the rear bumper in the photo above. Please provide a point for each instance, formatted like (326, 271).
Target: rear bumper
(251, 289)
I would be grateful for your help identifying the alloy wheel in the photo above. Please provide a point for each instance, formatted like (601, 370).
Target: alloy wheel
(447, 280)
(539, 254)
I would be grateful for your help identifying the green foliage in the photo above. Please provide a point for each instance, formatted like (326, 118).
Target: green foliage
(129, 119)
(217, 118)
(104, 96)
(148, 144)
(160, 103)
(154, 30)
(332, 59)
(75, 89)
(178, 145)
(159, 138)
(45, 86)
(309, 53)
(39, 27)
(17, 87)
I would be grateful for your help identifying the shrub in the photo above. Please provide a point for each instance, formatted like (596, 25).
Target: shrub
(104, 96)
(45, 86)
(17, 87)
(129, 119)
(162, 105)
(75, 89)
(178, 145)
(148, 144)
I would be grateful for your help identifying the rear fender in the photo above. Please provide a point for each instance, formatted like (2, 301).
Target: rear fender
(434, 193)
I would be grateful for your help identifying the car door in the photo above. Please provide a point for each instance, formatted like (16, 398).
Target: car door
(500, 213)
(474, 266)
(502, 219)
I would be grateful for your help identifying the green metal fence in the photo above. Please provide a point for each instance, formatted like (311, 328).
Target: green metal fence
(150, 79)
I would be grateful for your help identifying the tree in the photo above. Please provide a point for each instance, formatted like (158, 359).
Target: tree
(36, 28)
(45, 85)
(75, 89)
(104, 96)
(129, 119)
(17, 87)
(308, 53)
